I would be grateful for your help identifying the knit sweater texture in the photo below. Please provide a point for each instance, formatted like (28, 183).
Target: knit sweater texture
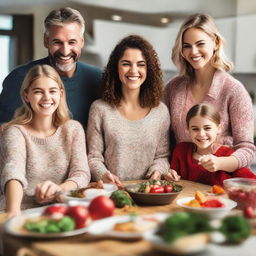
(128, 149)
(32, 160)
(233, 103)
(189, 169)
(81, 90)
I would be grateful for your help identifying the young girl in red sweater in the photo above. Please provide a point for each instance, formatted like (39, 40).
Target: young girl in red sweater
(195, 160)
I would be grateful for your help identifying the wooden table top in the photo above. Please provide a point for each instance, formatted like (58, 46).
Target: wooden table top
(86, 244)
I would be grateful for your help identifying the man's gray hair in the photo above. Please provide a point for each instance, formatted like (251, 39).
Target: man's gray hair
(64, 16)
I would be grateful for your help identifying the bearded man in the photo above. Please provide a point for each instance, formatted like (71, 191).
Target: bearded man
(63, 37)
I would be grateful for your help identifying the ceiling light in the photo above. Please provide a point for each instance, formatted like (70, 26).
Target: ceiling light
(164, 20)
(116, 17)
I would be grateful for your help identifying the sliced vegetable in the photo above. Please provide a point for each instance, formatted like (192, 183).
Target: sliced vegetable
(121, 198)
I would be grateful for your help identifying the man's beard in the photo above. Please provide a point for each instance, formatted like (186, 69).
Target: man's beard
(63, 68)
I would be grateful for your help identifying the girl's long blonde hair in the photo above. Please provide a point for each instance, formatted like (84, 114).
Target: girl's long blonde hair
(24, 114)
(205, 23)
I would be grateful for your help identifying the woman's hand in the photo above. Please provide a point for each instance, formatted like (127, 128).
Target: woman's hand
(46, 191)
(109, 177)
(210, 162)
(156, 175)
(171, 175)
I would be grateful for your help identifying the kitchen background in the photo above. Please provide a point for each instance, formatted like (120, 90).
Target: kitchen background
(107, 21)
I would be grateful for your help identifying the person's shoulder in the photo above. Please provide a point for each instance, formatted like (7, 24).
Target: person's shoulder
(72, 124)
(100, 105)
(162, 108)
(175, 81)
(13, 131)
(229, 81)
(89, 68)
(21, 70)
(224, 150)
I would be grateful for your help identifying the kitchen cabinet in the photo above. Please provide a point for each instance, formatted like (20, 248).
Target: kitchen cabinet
(245, 61)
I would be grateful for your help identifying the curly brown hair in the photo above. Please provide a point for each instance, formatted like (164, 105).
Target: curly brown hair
(152, 88)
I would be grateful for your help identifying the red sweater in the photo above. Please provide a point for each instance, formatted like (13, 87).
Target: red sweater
(189, 169)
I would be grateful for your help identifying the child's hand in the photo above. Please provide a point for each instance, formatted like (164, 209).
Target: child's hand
(209, 162)
(171, 175)
(156, 175)
(109, 177)
(46, 191)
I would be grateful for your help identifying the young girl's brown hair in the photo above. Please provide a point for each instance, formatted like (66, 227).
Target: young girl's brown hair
(203, 110)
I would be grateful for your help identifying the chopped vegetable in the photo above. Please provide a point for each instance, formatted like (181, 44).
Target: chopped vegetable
(183, 223)
(121, 198)
(235, 228)
(145, 187)
(216, 189)
(50, 225)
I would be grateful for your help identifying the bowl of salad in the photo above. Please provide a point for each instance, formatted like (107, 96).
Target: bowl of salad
(154, 192)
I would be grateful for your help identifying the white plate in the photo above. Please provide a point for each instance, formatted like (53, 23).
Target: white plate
(14, 227)
(90, 193)
(187, 245)
(212, 213)
(105, 226)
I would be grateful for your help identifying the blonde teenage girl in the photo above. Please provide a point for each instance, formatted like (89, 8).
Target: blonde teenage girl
(42, 150)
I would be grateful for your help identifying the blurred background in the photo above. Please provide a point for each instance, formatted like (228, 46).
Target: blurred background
(107, 21)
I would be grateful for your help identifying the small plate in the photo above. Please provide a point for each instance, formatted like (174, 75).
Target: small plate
(91, 193)
(186, 245)
(105, 226)
(212, 213)
(14, 227)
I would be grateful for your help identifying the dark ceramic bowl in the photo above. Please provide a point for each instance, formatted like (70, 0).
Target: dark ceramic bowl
(150, 198)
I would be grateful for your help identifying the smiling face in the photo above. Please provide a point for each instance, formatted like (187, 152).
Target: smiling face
(132, 69)
(198, 48)
(64, 45)
(203, 132)
(44, 96)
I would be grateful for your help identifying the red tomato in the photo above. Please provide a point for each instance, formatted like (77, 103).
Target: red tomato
(212, 203)
(168, 188)
(101, 207)
(80, 214)
(249, 212)
(157, 189)
(55, 209)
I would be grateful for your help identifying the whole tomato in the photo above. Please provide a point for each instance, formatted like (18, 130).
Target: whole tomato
(168, 188)
(156, 189)
(55, 209)
(101, 207)
(80, 214)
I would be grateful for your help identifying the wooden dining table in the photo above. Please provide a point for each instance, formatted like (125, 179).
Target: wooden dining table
(86, 244)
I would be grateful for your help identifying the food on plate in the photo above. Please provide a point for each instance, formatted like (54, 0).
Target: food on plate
(201, 200)
(249, 212)
(138, 224)
(218, 190)
(182, 224)
(46, 224)
(121, 199)
(235, 228)
(200, 197)
(159, 186)
(101, 207)
(81, 192)
(56, 210)
(80, 214)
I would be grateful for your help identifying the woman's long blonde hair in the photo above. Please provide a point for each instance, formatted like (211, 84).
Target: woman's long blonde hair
(24, 114)
(206, 24)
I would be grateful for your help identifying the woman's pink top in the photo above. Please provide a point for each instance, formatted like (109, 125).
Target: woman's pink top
(232, 101)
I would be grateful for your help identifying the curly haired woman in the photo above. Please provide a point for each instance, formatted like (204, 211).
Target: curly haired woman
(128, 128)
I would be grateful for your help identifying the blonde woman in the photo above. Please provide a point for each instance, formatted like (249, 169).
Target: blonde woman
(198, 54)
(42, 150)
